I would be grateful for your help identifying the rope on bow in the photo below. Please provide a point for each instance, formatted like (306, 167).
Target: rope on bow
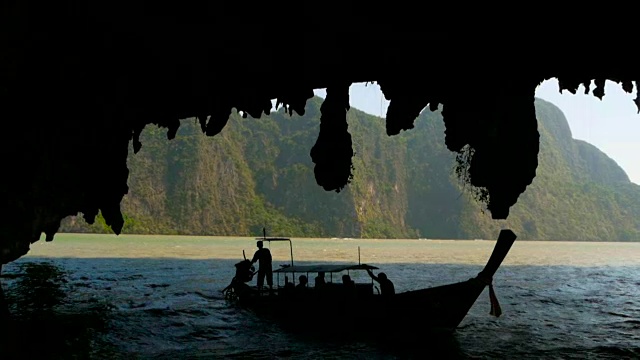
(496, 310)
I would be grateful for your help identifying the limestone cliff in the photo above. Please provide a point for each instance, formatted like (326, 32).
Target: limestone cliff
(260, 173)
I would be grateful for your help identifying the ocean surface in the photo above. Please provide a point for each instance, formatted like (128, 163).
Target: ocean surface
(159, 297)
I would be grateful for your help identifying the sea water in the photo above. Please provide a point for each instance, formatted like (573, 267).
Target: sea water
(107, 296)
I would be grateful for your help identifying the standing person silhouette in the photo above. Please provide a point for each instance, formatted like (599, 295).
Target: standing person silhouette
(386, 286)
(263, 256)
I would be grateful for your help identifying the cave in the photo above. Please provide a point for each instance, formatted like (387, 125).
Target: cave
(79, 82)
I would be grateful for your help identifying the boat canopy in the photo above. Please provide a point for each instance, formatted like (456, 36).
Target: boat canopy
(327, 268)
(273, 238)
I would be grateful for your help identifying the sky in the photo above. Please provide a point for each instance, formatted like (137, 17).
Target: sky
(611, 124)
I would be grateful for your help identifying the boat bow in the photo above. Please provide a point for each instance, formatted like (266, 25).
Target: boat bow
(500, 251)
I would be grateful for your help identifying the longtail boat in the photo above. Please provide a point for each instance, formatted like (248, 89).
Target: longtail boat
(360, 307)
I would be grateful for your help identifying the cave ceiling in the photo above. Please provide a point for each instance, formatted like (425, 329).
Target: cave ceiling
(79, 84)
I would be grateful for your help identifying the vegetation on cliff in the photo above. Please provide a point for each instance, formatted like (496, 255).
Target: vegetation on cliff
(258, 172)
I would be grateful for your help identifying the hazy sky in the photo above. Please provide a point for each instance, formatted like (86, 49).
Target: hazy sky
(611, 124)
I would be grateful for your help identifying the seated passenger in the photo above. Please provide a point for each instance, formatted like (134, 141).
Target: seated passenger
(346, 280)
(348, 288)
(320, 280)
(288, 285)
(302, 285)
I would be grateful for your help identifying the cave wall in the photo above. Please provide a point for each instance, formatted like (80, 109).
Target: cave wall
(79, 82)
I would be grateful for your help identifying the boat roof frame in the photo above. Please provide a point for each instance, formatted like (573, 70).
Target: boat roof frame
(326, 268)
(277, 238)
(274, 238)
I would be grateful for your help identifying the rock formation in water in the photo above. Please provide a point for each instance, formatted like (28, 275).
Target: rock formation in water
(78, 83)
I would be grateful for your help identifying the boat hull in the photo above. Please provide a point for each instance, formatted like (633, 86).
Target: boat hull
(437, 309)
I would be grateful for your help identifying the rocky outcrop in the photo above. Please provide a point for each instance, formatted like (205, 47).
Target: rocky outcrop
(79, 83)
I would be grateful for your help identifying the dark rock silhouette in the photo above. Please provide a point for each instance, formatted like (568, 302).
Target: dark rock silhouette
(333, 151)
(78, 83)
